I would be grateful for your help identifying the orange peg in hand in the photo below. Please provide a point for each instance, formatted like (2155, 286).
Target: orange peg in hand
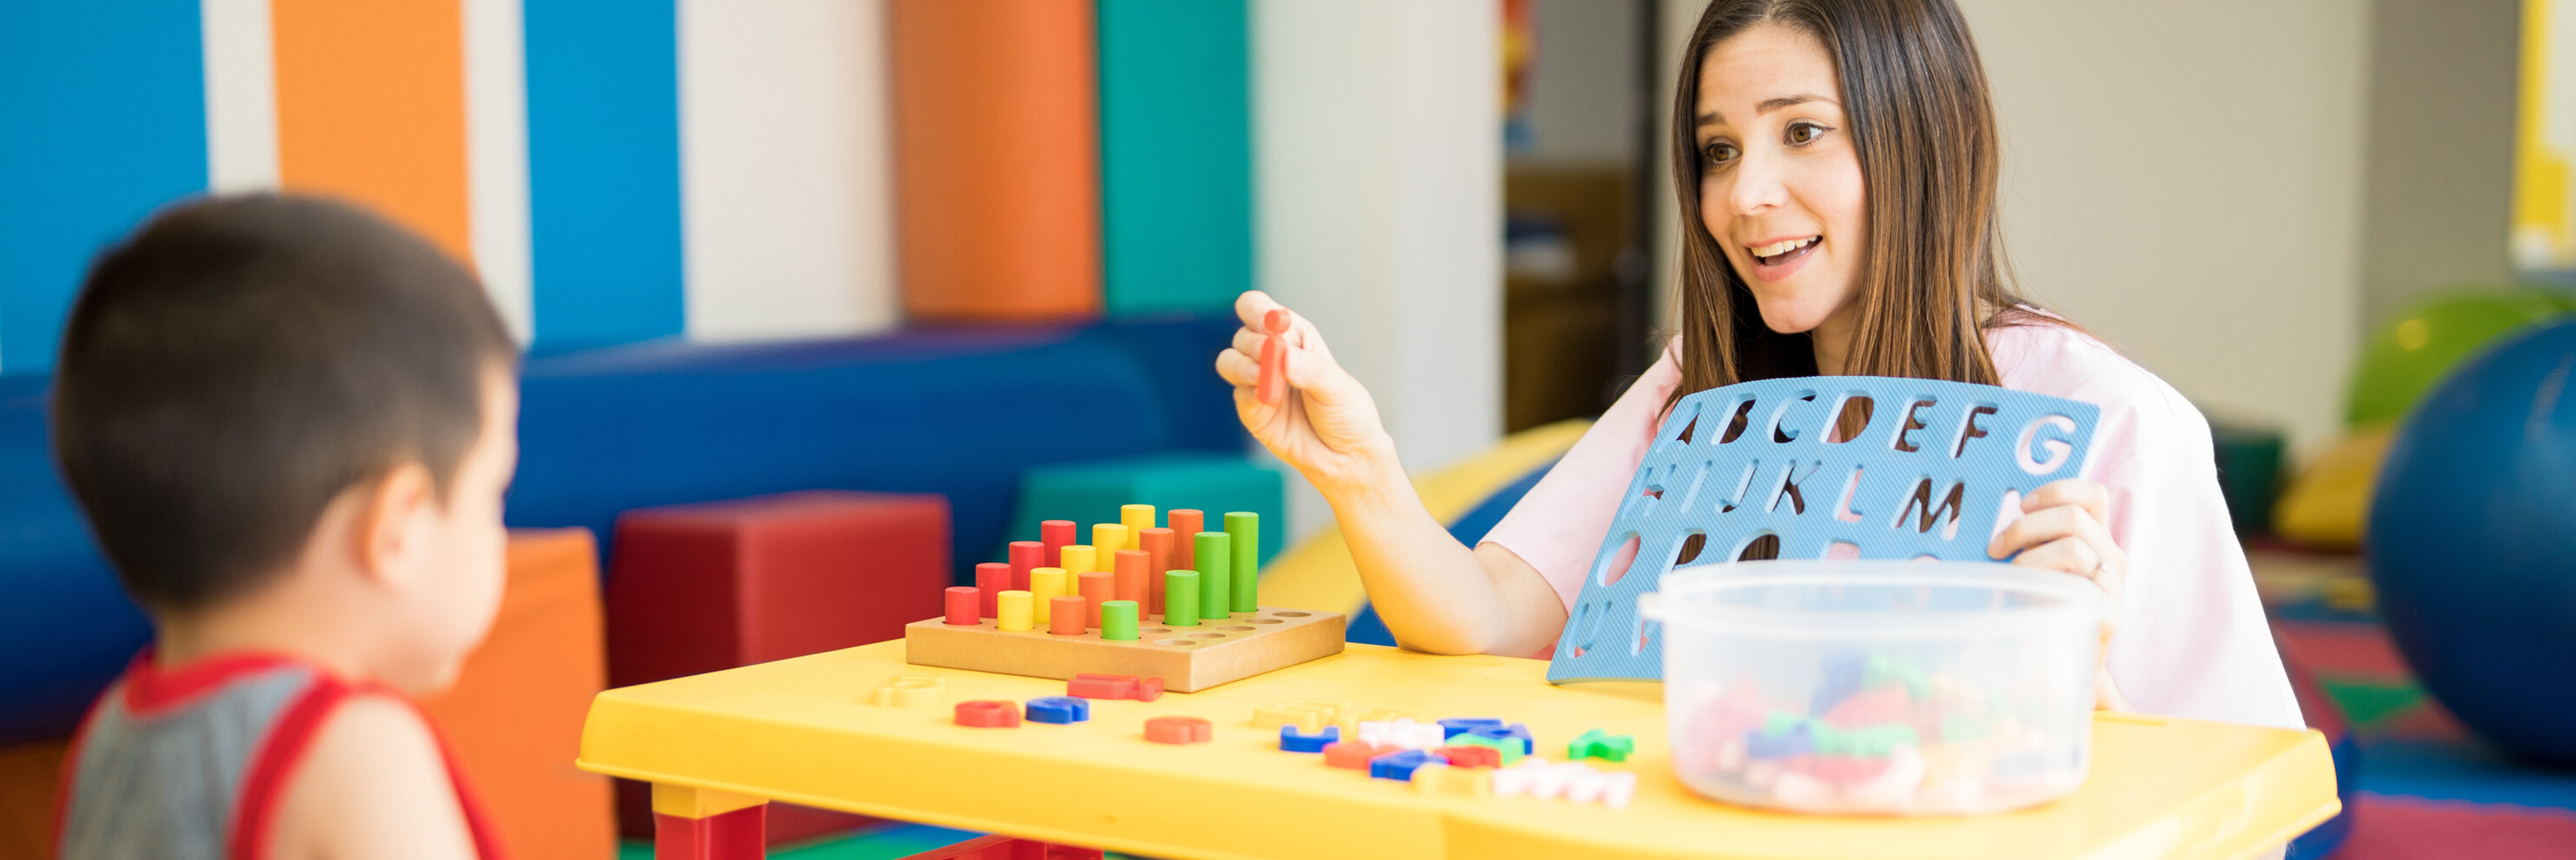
(1273, 385)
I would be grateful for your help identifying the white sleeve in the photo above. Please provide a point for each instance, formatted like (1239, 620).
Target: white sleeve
(2192, 639)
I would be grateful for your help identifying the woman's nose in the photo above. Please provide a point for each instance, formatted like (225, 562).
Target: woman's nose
(1758, 184)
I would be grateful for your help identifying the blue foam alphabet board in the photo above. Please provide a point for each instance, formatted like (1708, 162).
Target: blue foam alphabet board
(1926, 477)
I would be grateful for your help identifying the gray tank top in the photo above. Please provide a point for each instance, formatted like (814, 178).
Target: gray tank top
(188, 765)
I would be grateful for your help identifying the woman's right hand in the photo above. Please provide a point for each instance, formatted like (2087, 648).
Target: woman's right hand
(1326, 425)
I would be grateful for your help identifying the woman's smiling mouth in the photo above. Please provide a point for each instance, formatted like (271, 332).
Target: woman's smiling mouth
(1780, 258)
(1782, 251)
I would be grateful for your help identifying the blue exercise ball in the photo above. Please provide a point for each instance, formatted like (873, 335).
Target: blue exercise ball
(2472, 543)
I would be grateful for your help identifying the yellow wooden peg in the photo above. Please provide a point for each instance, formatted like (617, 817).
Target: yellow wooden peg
(1012, 610)
(1106, 540)
(1078, 560)
(1136, 519)
(1045, 585)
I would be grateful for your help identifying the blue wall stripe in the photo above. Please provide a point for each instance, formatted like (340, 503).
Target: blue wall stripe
(1175, 153)
(604, 171)
(102, 119)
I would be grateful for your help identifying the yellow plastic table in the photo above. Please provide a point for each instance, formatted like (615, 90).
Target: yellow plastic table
(805, 731)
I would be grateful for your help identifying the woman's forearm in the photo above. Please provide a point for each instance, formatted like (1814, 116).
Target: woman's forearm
(1434, 593)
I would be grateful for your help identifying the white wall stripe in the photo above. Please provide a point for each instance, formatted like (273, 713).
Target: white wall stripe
(786, 175)
(241, 96)
(496, 158)
(1377, 196)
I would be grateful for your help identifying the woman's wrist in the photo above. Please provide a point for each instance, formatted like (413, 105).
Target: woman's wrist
(1372, 482)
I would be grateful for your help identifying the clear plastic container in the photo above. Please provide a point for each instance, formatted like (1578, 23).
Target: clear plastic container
(1878, 687)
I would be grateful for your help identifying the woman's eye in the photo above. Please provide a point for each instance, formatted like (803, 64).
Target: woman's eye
(1717, 154)
(1805, 132)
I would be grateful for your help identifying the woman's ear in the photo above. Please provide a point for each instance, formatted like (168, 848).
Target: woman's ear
(391, 518)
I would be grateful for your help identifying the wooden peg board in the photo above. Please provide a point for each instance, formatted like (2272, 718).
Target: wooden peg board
(1188, 659)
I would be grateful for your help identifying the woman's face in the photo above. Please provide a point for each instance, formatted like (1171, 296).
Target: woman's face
(1780, 186)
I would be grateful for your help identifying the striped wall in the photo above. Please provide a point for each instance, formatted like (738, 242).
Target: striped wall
(102, 117)
(1176, 153)
(624, 170)
(616, 170)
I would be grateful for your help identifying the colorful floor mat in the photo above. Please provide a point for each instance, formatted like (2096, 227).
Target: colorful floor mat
(888, 841)
(2430, 788)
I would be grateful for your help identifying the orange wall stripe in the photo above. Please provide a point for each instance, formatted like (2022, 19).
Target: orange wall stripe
(371, 108)
(997, 153)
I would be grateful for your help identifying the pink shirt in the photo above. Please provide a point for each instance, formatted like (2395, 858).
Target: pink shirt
(2191, 641)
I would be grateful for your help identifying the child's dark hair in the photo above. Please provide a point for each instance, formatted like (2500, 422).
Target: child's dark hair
(239, 362)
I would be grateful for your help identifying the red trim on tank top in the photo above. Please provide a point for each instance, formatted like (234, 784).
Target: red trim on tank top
(478, 822)
(292, 735)
(273, 763)
(151, 690)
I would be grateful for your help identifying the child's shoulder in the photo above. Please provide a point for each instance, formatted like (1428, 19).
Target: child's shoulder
(374, 775)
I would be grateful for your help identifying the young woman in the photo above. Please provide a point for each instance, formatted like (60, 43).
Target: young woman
(1840, 159)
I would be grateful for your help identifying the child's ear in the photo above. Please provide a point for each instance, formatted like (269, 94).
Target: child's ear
(388, 527)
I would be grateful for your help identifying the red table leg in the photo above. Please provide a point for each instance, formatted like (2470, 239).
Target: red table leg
(705, 824)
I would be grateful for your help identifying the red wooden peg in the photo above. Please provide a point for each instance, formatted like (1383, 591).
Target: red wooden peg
(1026, 555)
(1273, 386)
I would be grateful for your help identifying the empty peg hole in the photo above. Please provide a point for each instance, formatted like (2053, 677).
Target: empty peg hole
(1176, 642)
(1207, 635)
(1261, 621)
(1284, 613)
(1156, 630)
(1238, 628)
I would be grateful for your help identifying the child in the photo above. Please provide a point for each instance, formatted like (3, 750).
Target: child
(290, 424)
(1838, 161)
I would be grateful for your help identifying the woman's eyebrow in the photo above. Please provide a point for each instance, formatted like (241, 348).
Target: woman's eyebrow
(1772, 104)
(1769, 105)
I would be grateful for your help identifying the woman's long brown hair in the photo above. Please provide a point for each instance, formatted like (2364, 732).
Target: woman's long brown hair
(1931, 277)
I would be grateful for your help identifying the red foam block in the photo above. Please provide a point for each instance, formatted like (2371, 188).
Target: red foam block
(703, 587)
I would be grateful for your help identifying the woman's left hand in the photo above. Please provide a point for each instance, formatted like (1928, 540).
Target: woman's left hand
(2062, 529)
